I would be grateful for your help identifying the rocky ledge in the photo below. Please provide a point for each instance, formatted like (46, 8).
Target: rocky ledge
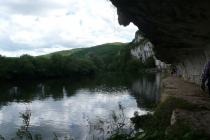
(196, 118)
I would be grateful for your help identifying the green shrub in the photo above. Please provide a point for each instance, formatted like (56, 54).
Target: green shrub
(150, 62)
(162, 114)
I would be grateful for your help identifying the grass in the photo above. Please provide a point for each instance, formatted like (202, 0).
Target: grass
(161, 118)
(162, 89)
(164, 76)
(154, 125)
(164, 110)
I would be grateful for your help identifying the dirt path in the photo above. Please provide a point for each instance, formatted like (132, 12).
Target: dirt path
(198, 119)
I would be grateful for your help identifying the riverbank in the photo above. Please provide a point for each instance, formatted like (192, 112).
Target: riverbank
(197, 117)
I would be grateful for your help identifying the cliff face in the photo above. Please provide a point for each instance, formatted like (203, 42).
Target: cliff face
(143, 49)
(192, 66)
(179, 30)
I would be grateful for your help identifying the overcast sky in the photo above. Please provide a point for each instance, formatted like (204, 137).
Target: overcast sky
(38, 27)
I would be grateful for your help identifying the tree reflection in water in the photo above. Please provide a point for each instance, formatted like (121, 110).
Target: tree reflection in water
(104, 89)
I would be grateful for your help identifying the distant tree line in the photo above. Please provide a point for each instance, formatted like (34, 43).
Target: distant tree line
(29, 67)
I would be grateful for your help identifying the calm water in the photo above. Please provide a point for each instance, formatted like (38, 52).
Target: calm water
(63, 105)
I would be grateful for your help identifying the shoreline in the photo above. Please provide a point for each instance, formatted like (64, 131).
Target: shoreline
(197, 117)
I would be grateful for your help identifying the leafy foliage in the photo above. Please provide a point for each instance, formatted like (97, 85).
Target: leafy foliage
(28, 67)
(150, 62)
(134, 65)
(23, 132)
(97, 61)
(86, 61)
(105, 128)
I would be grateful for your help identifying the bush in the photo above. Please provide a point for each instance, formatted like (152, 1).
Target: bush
(134, 64)
(150, 62)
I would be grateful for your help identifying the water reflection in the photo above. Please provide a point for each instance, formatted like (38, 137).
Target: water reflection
(63, 105)
(145, 90)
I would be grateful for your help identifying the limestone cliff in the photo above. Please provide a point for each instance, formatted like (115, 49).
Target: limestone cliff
(143, 49)
(178, 29)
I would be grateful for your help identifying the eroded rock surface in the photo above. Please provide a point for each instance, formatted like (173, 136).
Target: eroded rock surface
(198, 117)
(179, 30)
(196, 120)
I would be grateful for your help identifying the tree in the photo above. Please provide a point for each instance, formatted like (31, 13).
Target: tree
(98, 62)
(26, 66)
(134, 64)
(150, 62)
(56, 67)
(42, 67)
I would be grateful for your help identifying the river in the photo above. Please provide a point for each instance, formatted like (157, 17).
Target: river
(62, 106)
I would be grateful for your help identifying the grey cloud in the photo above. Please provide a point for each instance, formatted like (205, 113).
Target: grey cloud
(8, 45)
(28, 7)
(40, 9)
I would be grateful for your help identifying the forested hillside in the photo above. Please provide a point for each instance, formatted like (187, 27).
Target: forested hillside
(63, 53)
(87, 61)
(100, 50)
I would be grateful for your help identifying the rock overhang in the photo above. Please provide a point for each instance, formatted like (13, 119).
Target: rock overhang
(177, 28)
